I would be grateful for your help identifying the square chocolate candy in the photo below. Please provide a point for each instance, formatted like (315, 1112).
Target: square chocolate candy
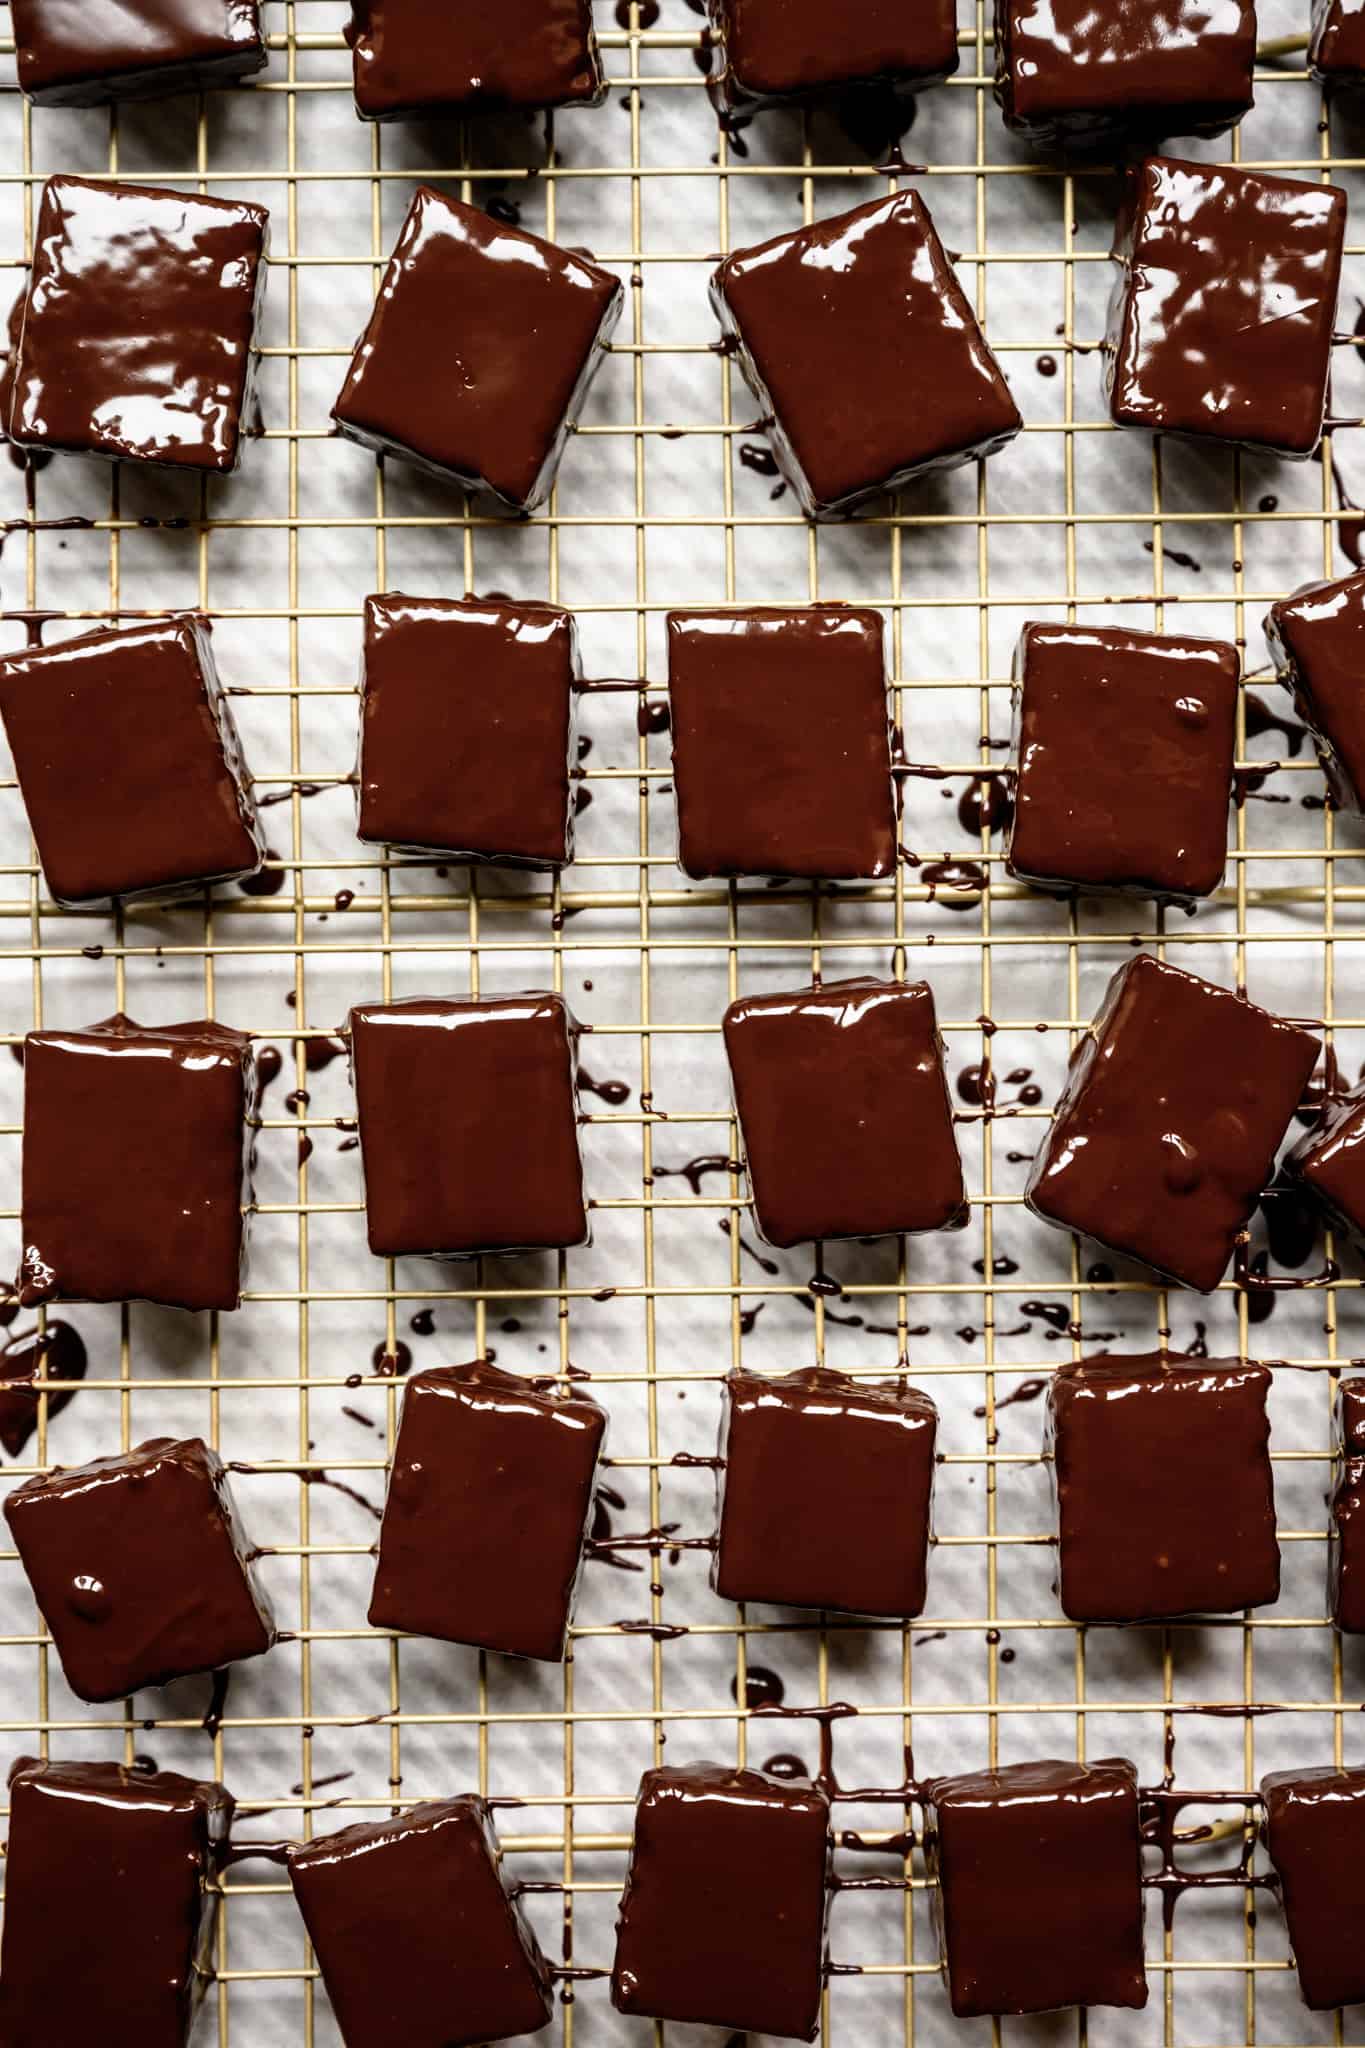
(1315, 1836)
(1076, 75)
(1039, 1900)
(844, 1112)
(1125, 744)
(1175, 1104)
(109, 1914)
(416, 1935)
(82, 53)
(1328, 1164)
(1220, 325)
(139, 1567)
(466, 729)
(460, 57)
(134, 1166)
(723, 1916)
(1317, 641)
(129, 763)
(1336, 51)
(1165, 1500)
(526, 323)
(135, 337)
(773, 53)
(864, 1450)
(1346, 1531)
(468, 1125)
(781, 743)
(855, 335)
(487, 1511)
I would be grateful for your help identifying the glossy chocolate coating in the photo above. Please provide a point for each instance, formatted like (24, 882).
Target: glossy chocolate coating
(865, 1451)
(1314, 1834)
(844, 1111)
(1165, 1500)
(129, 763)
(1039, 1900)
(487, 1511)
(1317, 641)
(781, 743)
(140, 1568)
(26, 1363)
(466, 729)
(82, 53)
(522, 325)
(723, 1915)
(134, 1171)
(1328, 1162)
(1346, 1531)
(1175, 1104)
(464, 57)
(416, 1937)
(468, 1125)
(1220, 325)
(134, 338)
(1069, 73)
(771, 52)
(108, 1916)
(1125, 744)
(1336, 50)
(855, 335)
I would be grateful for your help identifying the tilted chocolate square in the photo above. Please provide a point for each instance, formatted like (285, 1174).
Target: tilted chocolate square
(1165, 1498)
(525, 321)
(1026, 1858)
(1080, 76)
(488, 1510)
(1346, 1529)
(844, 1111)
(1328, 1163)
(416, 1935)
(129, 763)
(459, 57)
(772, 53)
(1125, 744)
(1221, 323)
(135, 1175)
(468, 1125)
(109, 1910)
(135, 337)
(1175, 1104)
(723, 1916)
(1317, 641)
(781, 743)
(82, 53)
(1336, 50)
(466, 729)
(865, 1451)
(855, 335)
(1315, 1836)
(140, 1567)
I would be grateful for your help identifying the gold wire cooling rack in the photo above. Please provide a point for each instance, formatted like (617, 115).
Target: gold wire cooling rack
(1015, 972)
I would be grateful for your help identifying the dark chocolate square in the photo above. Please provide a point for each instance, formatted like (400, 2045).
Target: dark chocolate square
(723, 1916)
(1317, 641)
(1039, 1869)
(522, 322)
(129, 763)
(1315, 1837)
(466, 729)
(1336, 50)
(463, 57)
(865, 1451)
(1125, 744)
(416, 1936)
(1165, 1499)
(109, 1914)
(140, 1568)
(844, 1111)
(1328, 1163)
(855, 335)
(134, 1168)
(468, 1125)
(780, 52)
(1074, 74)
(1220, 325)
(82, 53)
(134, 339)
(781, 743)
(487, 1511)
(1175, 1104)
(1346, 1530)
